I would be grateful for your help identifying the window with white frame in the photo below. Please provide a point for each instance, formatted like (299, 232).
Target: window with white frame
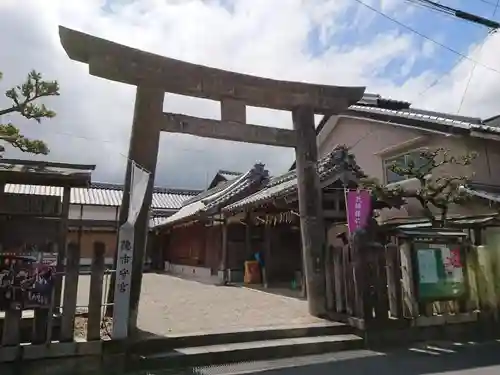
(402, 161)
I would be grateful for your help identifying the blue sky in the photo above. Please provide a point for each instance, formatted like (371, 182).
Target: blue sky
(453, 32)
(332, 42)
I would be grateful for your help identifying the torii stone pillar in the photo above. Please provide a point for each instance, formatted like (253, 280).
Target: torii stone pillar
(145, 136)
(154, 75)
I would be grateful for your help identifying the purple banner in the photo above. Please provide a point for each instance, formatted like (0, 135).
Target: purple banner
(358, 206)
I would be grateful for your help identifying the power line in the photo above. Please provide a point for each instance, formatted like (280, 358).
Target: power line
(470, 17)
(441, 12)
(488, 2)
(420, 5)
(474, 66)
(107, 142)
(436, 81)
(458, 53)
(423, 4)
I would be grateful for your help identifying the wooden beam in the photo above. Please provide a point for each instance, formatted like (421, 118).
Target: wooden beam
(228, 130)
(124, 64)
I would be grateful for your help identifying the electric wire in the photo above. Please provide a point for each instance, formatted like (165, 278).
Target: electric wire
(461, 55)
(416, 32)
(471, 75)
(461, 58)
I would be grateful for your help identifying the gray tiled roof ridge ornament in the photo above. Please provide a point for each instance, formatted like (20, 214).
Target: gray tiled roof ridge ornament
(335, 163)
(340, 158)
(259, 168)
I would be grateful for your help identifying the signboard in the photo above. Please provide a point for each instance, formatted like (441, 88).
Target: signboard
(138, 185)
(24, 283)
(440, 271)
(35, 205)
(358, 207)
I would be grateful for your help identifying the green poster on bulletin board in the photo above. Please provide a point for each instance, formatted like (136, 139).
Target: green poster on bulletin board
(440, 271)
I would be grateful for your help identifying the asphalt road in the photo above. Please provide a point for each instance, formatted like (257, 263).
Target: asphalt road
(437, 359)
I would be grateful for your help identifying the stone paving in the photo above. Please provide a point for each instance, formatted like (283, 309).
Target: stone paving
(171, 305)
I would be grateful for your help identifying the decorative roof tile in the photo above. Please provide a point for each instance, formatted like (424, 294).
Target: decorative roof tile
(337, 161)
(213, 199)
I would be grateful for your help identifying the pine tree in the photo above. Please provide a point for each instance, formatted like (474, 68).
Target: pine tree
(25, 100)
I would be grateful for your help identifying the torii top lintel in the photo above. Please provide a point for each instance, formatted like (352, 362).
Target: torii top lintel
(124, 64)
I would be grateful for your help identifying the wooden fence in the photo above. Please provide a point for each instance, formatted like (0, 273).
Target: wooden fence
(375, 290)
(50, 331)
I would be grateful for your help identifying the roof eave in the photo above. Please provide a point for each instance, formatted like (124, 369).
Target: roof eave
(404, 121)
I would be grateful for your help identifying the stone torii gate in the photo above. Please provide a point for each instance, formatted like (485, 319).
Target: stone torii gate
(155, 75)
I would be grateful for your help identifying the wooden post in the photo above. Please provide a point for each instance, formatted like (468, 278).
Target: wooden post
(311, 210)
(329, 277)
(248, 236)
(11, 335)
(339, 275)
(143, 149)
(380, 286)
(267, 254)
(394, 281)
(70, 293)
(61, 246)
(225, 254)
(40, 321)
(95, 295)
(409, 297)
(348, 282)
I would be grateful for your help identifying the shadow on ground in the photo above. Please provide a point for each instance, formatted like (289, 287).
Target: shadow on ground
(466, 358)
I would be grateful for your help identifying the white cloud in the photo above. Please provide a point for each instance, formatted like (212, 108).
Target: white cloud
(94, 115)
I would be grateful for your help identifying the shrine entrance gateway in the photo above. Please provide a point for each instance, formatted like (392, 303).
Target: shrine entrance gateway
(155, 75)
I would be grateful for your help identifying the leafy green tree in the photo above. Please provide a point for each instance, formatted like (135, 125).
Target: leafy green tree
(25, 101)
(436, 189)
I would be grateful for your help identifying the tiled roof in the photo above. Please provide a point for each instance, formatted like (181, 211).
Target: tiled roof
(376, 100)
(374, 104)
(101, 194)
(462, 123)
(156, 220)
(339, 160)
(223, 175)
(229, 175)
(212, 199)
(207, 193)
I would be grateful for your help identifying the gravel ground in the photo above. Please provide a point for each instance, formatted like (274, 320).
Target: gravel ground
(171, 305)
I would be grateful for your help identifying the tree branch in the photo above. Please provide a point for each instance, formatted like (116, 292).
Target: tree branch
(440, 192)
(24, 99)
